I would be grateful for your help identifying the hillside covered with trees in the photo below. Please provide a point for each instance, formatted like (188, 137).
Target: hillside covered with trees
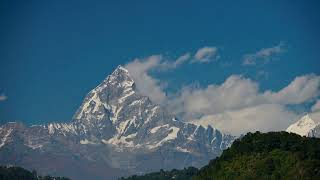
(18, 173)
(273, 155)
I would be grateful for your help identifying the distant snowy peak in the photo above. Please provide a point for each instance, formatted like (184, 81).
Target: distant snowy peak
(306, 125)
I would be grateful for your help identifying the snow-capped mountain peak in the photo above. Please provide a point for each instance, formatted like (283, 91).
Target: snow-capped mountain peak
(121, 128)
(303, 126)
(103, 100)
(133, 121)
(121, 74)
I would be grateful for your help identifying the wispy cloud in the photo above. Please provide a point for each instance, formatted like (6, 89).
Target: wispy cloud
(263, 55)
(205, 55)
(3, 97)
(182, 59)
(166, 64)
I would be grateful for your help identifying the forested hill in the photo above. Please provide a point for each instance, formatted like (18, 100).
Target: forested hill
(273, 155)
(18, 173)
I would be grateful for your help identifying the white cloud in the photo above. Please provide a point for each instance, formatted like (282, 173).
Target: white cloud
(264, 117)
(263, 55)
(205, 55)
(139, 69)
(3, 97)
(300, 90)
(316, 106)
(235, 92)
(152, 87)
(237, 105)
(146, 84)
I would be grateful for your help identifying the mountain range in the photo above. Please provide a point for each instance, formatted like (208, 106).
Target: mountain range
(117, 131)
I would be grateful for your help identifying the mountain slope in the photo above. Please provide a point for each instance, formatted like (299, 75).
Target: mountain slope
(273, 155)
(117, 129)
(18, 173)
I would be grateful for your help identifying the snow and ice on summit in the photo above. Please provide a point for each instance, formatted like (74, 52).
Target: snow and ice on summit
(101, 98)
(133, 118)
(308, 125)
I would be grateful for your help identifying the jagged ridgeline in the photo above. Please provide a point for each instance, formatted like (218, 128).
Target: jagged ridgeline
(116, 131)
(273, 155)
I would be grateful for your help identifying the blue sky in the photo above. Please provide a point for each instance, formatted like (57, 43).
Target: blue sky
(53, 52)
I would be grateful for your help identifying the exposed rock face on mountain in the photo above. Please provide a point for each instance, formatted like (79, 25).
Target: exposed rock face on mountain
(308, 125)
(116, 131)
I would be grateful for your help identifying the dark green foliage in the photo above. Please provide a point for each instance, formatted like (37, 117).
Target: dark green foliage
(273, 155)
(184, 174)
(18, 173)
